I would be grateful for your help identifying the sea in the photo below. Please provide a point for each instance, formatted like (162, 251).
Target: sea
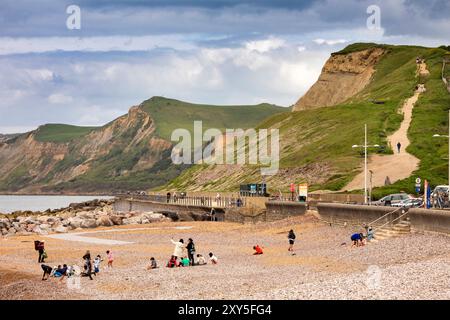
(11, 203)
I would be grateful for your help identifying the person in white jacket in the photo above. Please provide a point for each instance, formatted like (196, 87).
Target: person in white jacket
(179, 247)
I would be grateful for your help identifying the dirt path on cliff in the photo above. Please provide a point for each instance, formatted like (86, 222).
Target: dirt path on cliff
(399, 165)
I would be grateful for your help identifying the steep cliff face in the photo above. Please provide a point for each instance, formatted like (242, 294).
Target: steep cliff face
(129, 153)
(343, 76)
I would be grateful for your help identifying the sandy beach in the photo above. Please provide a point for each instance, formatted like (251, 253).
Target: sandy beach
(414, 266)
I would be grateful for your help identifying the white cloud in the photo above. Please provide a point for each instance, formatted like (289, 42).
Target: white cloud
(331, 42)
(59, 98)
(265, 45)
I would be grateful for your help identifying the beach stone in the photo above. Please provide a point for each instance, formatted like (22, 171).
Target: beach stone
(11, 230)
(183, 216)
(4, 223)
(89, 223)
(75, 222)
(4, 231)
(104, 221)
(38, 230)
(42, 219)
(116, 219)
(61, 229)
(45, 226)
(30, 227)
(132, 220)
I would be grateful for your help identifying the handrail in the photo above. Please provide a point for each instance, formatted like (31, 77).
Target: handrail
(391, 212)
(389, 222)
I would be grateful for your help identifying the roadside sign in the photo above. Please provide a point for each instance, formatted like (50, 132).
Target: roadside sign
(418, 180)
(302, 192)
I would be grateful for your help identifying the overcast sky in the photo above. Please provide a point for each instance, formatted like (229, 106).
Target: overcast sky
(205, 51)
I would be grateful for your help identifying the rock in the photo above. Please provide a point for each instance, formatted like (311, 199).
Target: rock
(45, 226)
(30, 227)
(104, 221)
(4, 231)
(171, 215)
(38, 230)
(132, 220)
(11, 230)
(200, 216)
(61, 229)
(30, 220)
(52, 220)
(116, 219)
(4, 223)
(183, 216)
(75, 222)
(42, 219)
(145, 221)
(89, 223)
(155, 217)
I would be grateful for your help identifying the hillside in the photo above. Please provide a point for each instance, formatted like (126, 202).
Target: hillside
(316, 142)
(129, 153)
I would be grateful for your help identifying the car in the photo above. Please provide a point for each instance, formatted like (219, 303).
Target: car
(409, 203)
(391, 199)
(439, 197)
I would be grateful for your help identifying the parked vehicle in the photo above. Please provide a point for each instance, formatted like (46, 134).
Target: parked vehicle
(439, 197)
(409, 203)
(391, 199)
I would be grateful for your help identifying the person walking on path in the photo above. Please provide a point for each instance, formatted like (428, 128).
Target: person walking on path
(399, 145)
(291, 238)
(191, 251)
(179, 247)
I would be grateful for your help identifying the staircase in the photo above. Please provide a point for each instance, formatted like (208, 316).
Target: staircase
(396, 230)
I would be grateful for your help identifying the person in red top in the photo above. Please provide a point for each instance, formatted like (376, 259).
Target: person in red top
(257, 249)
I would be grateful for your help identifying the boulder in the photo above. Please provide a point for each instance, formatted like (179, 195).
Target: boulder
(4, 231)
(61, 229)
(45, 226)
(132, 220)
(171, 215)
(184, 216)
(200, 216)
(38, 230)
(11, 231)
(104, 221)
(42, 219)
(145, 221)
(30, 227)
(30, 220)
(4, 223)
(116, 219)
(89, 223)
(75, 222)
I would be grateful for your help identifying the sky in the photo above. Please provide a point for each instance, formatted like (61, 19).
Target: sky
(205, 51)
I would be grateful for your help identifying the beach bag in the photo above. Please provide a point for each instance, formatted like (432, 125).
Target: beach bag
(44, 255)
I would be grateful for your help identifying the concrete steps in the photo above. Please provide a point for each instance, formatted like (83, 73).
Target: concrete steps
(397, 230)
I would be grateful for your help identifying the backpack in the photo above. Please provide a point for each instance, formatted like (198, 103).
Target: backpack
(36, 244)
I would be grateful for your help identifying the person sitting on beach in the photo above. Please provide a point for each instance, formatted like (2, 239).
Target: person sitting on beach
(47, 271)
(152, 264)
(258, 250)
(200, 259)
(185, 262)
(60, 271)
(172, 262)
(357, 239)
(370, 234)
(213, 258)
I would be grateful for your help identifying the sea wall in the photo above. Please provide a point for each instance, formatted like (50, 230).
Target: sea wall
(356, 214)
(430, 220)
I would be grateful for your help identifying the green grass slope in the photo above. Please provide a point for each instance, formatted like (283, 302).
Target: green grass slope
(325, 136)
(60, 133)
(171, 114)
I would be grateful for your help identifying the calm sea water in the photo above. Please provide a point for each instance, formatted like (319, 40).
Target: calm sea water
(9, 204)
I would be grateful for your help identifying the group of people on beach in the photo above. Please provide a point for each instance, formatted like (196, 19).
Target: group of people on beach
(359, 239)
(185, 255)
(90, 267)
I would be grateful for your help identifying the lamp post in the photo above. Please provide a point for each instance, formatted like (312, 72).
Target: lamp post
(370, 190)
(446, 136)
(365, 146)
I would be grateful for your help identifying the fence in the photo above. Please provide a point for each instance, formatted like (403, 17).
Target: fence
(219, 202)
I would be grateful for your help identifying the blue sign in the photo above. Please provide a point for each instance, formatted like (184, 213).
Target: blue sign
(428, 192)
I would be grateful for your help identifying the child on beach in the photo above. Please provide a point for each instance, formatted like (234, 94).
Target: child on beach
(213, 258)
(97, 261)
(110, 256)
(172, 262)
(153, 264)
(258, 250)
(47, 271)
(357, 239)
(291, 238)
(200, 259)
(185, 262)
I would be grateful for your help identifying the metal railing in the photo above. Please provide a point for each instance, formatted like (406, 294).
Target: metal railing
(384, 216)
(213, 202)
(390, 222)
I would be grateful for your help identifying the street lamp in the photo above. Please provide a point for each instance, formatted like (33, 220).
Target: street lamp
(365, 146)
(446, 136)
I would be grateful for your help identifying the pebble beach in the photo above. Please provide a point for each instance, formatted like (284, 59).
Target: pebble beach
(325, 266)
